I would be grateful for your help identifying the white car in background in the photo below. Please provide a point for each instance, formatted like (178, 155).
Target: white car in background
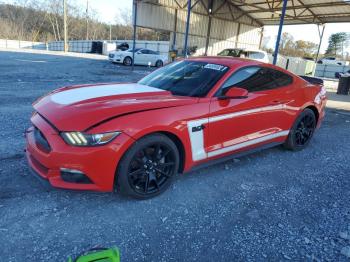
(330, 61)
(257, 55)
(143, 56)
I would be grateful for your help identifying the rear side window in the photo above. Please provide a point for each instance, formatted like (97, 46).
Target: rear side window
(256, 79)
(153, 52)
(280, 78)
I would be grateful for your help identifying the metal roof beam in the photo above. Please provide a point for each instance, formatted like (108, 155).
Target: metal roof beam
(214, 16)
(299, 7)
(346, 2)
(265, 10)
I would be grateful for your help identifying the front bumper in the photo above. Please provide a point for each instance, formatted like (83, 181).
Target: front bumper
(115, 59)
(97, 163)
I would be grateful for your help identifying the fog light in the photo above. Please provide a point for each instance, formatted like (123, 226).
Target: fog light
(74, 176)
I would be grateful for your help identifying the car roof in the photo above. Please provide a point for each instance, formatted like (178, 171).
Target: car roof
(226, 60)
(236, 62)
(246, 49)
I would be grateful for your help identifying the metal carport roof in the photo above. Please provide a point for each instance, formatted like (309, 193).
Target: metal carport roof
(261, 12)
(297, 12)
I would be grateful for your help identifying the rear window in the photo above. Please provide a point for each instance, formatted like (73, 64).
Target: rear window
(256, 55)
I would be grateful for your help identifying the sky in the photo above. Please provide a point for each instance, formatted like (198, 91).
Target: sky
(107, 10)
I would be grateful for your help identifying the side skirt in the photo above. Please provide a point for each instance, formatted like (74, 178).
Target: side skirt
(234, 155)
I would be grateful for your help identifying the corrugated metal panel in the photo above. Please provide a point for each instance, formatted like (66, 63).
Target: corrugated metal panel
(198, 23)
(216, 46)
(153, 16)
(331, 10)
(223, 30)
(249, 36)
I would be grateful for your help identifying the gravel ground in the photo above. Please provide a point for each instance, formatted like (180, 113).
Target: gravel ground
(274, 205)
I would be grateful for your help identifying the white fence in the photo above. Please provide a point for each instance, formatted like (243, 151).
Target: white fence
(84, 46)
(5, 43)
(296, 65)
(328, 71)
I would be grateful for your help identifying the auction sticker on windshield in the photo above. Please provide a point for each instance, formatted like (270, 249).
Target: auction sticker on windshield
(215, 67)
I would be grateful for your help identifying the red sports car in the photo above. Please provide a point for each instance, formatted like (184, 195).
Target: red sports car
(134, 137)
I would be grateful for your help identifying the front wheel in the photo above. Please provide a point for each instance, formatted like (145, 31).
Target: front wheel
(302, 131)
(127, 61)
(147, 168)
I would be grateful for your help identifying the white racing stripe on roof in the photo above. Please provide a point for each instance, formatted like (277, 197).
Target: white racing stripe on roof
(84, 93)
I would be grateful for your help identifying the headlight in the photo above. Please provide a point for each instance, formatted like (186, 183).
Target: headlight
(82, 139)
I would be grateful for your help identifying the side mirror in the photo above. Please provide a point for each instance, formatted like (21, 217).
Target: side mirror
(235, 93)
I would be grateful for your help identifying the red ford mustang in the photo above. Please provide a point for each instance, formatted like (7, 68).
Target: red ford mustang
(135, 137)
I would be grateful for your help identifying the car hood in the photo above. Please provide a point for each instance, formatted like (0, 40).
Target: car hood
(76, 108)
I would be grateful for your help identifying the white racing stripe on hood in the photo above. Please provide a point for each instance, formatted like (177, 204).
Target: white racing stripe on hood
(84, 93)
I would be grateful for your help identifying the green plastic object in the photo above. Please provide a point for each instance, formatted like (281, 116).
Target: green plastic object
(98, 255)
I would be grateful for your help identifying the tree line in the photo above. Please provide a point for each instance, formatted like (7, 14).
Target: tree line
(42, 21)
(337, 44)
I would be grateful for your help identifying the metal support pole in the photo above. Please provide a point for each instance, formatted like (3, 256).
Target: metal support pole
(187, 26)
(210, 10)
(87, 19)
(320, 34)
(208, 36)
(110, 32)
(261, 37)
(280, 31)
(65, 26)
(134, 35)
(175, 29)
(237, 37)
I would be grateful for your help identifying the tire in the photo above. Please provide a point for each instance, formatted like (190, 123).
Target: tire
(127, 61)
(302, 131)
(148, 167)
(159, 63)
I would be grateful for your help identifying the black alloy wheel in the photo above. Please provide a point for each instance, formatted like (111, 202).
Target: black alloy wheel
(148, 167)
(302, 130)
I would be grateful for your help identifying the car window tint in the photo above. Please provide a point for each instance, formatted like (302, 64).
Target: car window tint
(256, 79)
(145, 51)
(224, 52)
(280, 78)
(186, 78)
(136, 50)
(152, 52)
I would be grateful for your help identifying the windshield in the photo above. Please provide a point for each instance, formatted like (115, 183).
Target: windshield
(186, 78)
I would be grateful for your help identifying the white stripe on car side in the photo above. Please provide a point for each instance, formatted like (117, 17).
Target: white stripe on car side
(248, 143)
(197, 138)
(75, 95)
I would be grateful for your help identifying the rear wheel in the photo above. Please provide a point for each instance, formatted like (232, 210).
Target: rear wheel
(127, 61)
(148, 167)
(302, 131)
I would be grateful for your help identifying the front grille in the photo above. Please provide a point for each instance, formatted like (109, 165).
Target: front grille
(40, 141)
